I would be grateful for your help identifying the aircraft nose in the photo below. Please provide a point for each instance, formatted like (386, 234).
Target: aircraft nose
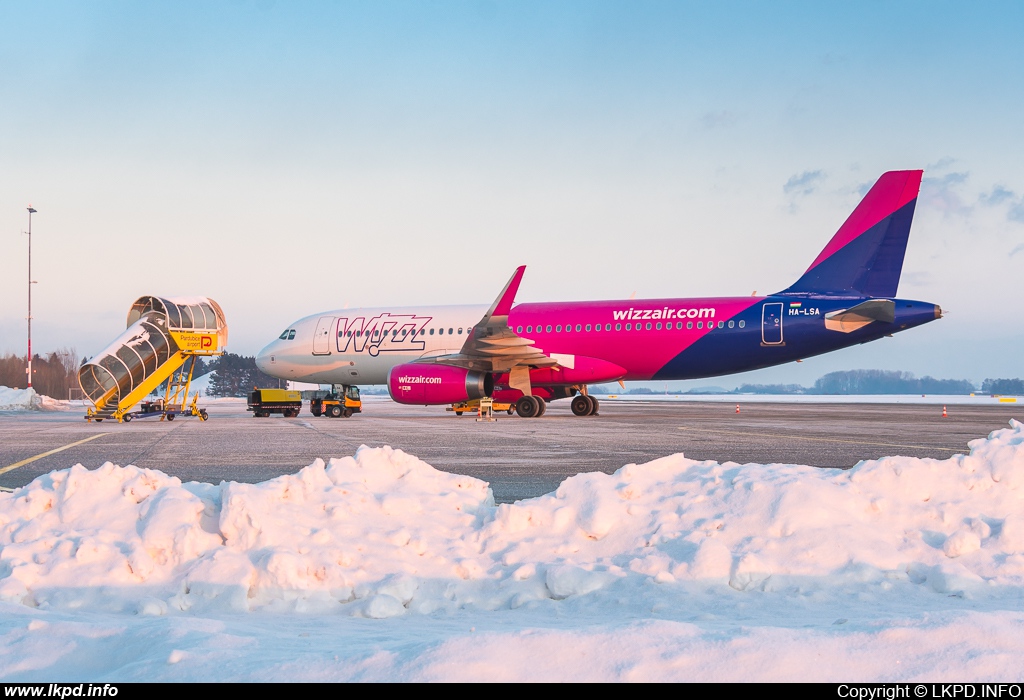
(265, 359)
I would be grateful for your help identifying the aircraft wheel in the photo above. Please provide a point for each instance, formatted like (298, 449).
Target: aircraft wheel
(581, 405)
(334, 411)
(596, 404)
(527, 407)
(543, 406)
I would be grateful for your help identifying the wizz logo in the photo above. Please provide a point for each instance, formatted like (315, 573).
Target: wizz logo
(383, 333)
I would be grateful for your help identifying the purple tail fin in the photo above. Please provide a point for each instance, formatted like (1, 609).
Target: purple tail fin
(865, 257)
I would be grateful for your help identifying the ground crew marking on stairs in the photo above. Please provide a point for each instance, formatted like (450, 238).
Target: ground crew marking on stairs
(22, 463)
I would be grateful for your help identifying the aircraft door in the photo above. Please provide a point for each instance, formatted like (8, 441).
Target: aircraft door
(322, 338)
(771, 324)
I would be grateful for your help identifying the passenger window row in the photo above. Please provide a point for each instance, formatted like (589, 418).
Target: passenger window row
(656, 326)
(558, 328)
(394, 334)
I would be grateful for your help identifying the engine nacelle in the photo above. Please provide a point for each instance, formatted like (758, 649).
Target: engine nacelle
(427, 384)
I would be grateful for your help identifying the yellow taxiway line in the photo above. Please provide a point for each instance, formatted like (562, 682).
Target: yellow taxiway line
(22, 463)
(814, 439)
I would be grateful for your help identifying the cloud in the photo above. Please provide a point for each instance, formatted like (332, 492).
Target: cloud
(998, 195)
(917, 278)
(715, 120)
(831, 59)
(1018, 249)
(805, 183)
(940, 193)
(941, 164)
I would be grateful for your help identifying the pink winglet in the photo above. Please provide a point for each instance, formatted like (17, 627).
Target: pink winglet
(503, 304)
(892, 191)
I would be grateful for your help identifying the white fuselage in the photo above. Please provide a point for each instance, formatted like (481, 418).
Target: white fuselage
(360, 346)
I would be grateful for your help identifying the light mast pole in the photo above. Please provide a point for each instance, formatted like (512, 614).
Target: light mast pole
(31, 211)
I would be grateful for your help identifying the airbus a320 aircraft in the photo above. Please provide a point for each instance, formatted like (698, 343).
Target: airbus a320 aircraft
(530, 354)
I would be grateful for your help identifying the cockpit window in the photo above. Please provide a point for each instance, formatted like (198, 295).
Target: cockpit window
(291, 334)
(283, 336)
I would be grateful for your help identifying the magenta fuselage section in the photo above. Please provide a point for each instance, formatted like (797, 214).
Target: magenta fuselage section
(640, 336)
(694, 338)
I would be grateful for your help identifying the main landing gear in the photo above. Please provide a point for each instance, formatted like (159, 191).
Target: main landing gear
(584, 405)
(534, 407)
(530, 407)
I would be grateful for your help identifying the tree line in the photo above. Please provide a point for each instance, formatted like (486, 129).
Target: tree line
(56, 373)
(857, 381)
(237, 375)
(53, 374)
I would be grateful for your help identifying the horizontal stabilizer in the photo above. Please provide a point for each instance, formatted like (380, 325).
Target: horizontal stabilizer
(849, 320)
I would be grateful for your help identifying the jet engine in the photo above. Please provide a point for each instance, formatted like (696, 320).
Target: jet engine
(429, 384)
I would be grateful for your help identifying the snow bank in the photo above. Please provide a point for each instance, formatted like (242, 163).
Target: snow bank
(383, 534)
(28, 400)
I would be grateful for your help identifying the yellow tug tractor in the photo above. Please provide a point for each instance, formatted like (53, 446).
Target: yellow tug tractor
(338, 404)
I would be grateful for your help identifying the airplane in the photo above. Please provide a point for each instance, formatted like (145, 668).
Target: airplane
(532, 353)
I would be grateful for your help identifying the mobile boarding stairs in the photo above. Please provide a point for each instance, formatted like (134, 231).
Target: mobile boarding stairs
(163, 340)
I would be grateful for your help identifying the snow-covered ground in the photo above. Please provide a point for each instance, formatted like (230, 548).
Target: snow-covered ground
(379, 567)
(29, 400)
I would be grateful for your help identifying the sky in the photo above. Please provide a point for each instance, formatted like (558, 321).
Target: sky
(287, 158)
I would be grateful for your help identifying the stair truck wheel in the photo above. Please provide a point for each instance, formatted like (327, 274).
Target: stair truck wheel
(170, 416)
(127, 418)
(203, 415)
(347, 413)
(334, 411)
(316, 412)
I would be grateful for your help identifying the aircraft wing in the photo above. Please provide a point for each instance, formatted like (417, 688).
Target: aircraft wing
(491, 345)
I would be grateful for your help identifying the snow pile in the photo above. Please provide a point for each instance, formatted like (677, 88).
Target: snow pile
(28, 400)
(384, 534)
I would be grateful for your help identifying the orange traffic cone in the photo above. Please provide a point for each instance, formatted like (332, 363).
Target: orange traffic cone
(737, 408)
(944, 415)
